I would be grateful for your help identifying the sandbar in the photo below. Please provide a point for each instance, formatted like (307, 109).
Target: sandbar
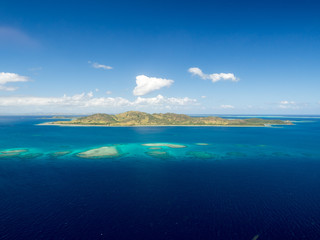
(60, 154)
(12, 153)
(102, 152)
(164, 145)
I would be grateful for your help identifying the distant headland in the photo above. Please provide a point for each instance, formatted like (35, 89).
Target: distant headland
(136, 118)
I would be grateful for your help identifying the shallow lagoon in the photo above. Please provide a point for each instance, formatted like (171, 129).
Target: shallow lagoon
(236, 184)
(170, 151)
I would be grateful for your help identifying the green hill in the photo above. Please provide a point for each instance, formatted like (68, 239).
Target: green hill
(136, 118)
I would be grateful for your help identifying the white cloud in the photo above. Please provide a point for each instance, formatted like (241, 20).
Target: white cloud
(80, 102)
(4, 88)
(160, 100)
(288, 104)
(108, 92)
(98, 65)
(90, 94)
(6, 77)
(214, 77)
(203, 97)
(227, 106)
(292, 105)
(147, 84)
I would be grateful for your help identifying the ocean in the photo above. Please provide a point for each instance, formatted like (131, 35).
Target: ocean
(189, 183)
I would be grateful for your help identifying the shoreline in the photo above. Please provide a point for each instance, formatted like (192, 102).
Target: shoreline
(83, 125)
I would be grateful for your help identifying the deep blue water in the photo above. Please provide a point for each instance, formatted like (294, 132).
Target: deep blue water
(256, 182)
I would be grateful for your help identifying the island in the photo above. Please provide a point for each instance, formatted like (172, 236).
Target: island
(136, 118)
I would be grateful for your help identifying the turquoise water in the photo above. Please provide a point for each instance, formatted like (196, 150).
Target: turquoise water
(239, 183)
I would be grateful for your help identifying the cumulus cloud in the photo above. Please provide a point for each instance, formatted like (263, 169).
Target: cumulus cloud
(288, 104)
(147, 84)
(160, 100)
(292, 105)
(86, 100)
(214, 77)
(6, 77)
(108, 92)
(203, 97)
(98, 65)
(227, 106)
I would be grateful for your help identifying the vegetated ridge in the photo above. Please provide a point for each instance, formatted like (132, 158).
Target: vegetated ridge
(136, 118)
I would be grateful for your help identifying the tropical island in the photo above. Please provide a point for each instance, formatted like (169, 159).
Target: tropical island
(136, 118)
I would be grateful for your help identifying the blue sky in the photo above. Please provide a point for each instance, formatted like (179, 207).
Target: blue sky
(249, 57)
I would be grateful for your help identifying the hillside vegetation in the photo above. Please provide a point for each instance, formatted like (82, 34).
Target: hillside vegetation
(135, 118)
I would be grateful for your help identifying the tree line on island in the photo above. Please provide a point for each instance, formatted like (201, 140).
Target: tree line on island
(136, 118)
